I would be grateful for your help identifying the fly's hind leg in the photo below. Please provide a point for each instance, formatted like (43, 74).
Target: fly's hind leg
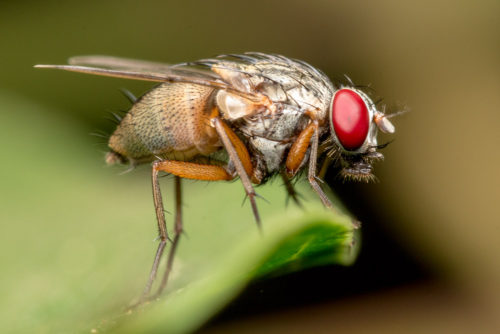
(177, 235)
(180, 169)
(162, 230)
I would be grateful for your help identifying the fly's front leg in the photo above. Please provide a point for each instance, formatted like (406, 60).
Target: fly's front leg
(307, 138)
(311, 174)
(238, 155)
(290, 189)
(298, 150)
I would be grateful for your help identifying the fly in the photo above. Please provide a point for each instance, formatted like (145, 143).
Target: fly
(249, 116)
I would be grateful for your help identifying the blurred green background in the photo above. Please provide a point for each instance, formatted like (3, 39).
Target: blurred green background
(438, 192)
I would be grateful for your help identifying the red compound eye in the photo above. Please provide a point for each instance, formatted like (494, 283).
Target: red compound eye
(350, 119)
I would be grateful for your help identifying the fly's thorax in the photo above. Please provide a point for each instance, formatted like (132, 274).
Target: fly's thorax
(268, 155)
(171, 119)
(269, 138)
(282, 126)
(287, 95)
(275, 83)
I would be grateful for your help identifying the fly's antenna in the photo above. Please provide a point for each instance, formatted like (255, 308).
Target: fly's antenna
(397, 113)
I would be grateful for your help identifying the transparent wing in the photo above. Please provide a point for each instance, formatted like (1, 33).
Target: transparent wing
(138, 70)
(135, 65)
(118, 63)
(199, 73)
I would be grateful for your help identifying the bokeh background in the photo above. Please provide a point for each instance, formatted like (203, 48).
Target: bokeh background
(430, 257)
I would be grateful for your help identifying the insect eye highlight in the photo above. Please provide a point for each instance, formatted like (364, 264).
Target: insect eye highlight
(350, 119)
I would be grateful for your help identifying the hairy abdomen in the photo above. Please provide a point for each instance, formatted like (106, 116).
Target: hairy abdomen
(171, 121)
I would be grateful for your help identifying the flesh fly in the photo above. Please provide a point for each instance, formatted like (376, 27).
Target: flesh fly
(250, 116)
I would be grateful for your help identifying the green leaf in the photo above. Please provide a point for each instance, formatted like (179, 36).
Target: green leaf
(80, 252)
(291, 241)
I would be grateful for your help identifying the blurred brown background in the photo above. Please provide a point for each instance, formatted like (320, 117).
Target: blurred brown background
(438, 193)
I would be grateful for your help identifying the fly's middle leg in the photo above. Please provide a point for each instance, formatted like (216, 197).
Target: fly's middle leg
(241, 159)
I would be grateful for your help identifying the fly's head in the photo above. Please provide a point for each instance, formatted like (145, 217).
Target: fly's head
(354, 123)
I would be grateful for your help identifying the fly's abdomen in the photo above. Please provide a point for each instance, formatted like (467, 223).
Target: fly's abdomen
(170, 121)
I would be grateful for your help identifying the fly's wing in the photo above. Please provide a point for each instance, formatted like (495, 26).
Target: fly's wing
(135, 65)
(138, 70)
(250, 83)
(118, 63)
(150, 71)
